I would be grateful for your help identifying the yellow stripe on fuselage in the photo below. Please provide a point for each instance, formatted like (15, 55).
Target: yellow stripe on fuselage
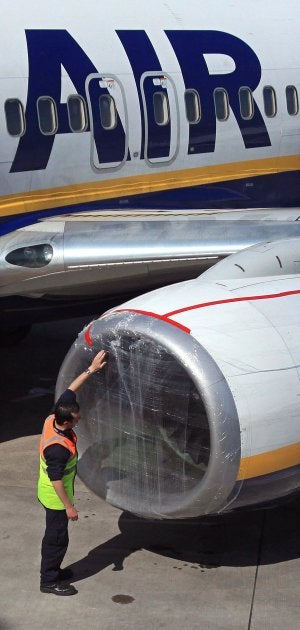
(270, 462)
(64, 196)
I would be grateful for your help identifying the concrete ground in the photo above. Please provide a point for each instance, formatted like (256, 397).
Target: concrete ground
(238, 571)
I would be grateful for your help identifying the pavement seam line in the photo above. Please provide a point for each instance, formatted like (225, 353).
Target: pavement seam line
(257, 567)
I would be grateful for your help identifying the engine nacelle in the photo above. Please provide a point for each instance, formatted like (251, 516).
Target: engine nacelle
(198, 408)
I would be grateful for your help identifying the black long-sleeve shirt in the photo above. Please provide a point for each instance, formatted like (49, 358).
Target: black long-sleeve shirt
(56, 457)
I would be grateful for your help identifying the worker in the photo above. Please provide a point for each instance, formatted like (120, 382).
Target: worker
(58, 460)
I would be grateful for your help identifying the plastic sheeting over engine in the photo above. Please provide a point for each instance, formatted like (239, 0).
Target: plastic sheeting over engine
(154, 435)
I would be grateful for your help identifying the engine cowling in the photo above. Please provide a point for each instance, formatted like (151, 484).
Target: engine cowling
(197, 410)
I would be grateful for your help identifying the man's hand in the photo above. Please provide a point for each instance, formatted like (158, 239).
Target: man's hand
(98, 362)
(72, 513)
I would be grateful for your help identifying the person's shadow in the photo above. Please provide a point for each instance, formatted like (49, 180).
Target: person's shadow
(245, 538)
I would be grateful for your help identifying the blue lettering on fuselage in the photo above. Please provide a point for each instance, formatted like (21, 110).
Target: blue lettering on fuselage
(48, 50)
(190, 48)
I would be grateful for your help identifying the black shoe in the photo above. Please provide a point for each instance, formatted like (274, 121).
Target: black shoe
(58, 589)
(65, 574)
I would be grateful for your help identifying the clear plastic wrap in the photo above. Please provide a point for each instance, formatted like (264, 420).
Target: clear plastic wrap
(159, 434)
(144, 438)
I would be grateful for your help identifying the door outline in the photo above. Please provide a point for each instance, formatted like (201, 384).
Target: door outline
(163, 162)
(100, 77)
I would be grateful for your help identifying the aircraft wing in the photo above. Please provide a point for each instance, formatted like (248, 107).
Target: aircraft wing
(117, 252)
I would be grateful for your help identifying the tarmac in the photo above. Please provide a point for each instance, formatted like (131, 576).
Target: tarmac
(238, 571)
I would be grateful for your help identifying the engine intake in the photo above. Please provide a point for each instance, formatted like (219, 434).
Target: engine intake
(159, 434)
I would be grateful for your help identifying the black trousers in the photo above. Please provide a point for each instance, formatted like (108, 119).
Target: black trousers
(54, 545)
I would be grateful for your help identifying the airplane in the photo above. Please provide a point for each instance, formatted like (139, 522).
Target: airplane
(139, 146)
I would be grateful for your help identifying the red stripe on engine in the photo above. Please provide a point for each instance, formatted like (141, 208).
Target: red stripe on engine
(248, 298)
(87, 335)
(164, 318)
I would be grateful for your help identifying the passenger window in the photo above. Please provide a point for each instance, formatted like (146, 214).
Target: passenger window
(221, 104)
(14, 115)
(192, 106)
(292, 102)
(161, 108)
(246, 103)
(108, 112)
(77, 113)
(270, 104)
(47, 115)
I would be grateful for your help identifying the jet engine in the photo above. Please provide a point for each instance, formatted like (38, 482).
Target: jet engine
(197, 410)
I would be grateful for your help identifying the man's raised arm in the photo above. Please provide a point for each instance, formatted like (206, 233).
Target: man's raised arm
(97, 364)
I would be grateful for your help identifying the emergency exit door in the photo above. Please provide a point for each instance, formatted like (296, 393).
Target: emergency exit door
(108, 121)
(161, 116)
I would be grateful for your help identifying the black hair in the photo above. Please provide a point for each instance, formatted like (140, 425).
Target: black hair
(63, 412)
